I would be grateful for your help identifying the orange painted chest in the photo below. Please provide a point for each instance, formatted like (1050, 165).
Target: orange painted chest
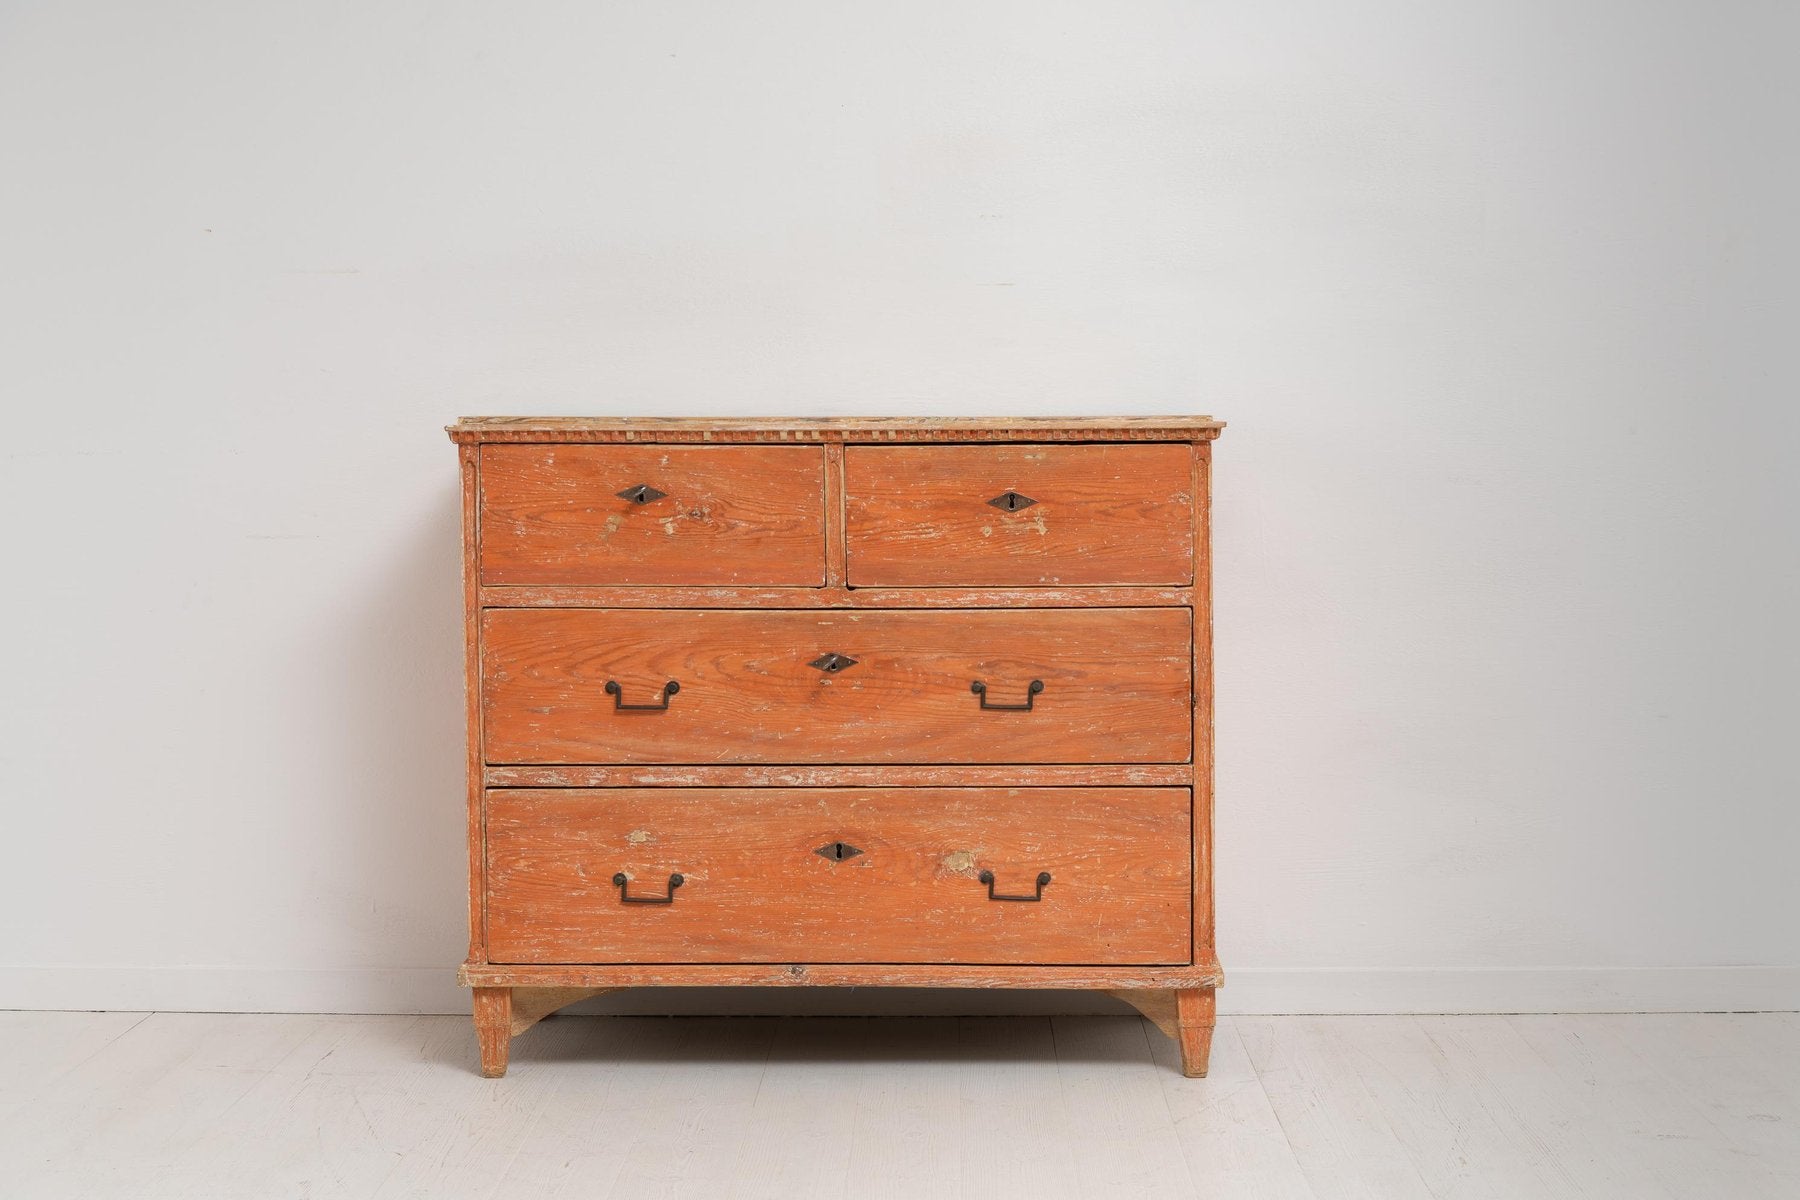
(899, 702)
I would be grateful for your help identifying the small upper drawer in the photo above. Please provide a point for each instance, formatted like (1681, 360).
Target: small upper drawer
(1020, 516)
(656, 515)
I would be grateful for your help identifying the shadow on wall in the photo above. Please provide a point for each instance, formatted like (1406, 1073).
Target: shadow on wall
(402, 811)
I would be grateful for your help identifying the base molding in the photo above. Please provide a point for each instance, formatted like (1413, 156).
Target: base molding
(1251, 991)
(858, 975)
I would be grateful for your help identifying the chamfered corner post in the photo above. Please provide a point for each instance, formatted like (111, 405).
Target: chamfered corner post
(493, 1028)
(1195, 1015)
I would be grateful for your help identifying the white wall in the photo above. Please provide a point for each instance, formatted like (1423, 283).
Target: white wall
(1497, 297)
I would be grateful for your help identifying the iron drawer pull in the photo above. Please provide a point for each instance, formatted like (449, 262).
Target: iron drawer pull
(987, 877)
(1031, 693)
(675, 881)
(618, 695)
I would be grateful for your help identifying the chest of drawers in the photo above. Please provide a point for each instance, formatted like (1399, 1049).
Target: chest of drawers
(907, 702)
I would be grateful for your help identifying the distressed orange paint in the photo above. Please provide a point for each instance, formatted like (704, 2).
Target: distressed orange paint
(758, 546)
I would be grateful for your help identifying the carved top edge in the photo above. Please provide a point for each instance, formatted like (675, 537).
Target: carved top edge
(835, 429)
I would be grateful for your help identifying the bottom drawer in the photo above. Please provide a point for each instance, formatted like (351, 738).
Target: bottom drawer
(755, 886)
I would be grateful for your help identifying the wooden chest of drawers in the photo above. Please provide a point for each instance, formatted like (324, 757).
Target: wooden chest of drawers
(838, 702)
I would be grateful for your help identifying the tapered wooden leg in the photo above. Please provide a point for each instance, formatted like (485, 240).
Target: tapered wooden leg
(493, 1028)
(1194, 1020)
(1185, 1015)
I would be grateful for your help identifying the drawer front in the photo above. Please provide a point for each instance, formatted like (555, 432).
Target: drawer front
(922, 516)
(755, 889)
(569, 686)
(553, 514)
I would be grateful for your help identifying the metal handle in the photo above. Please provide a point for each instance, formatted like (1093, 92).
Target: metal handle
(1031, 693)
(618, 695)
(1043, 878)
(675, 881)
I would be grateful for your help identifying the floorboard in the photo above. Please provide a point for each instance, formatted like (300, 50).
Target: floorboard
(241, 1107)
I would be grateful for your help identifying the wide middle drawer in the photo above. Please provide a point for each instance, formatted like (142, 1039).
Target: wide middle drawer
(845, 686)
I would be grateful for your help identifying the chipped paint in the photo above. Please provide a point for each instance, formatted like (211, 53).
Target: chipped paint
(1124, 544)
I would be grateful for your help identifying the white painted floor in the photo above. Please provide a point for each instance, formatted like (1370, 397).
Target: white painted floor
(97, 1105)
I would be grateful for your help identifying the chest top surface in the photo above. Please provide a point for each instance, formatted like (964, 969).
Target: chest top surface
(836, 429)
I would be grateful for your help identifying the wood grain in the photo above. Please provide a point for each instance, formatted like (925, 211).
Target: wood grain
(1195, 1016)
(918, 516)
(493, 1028)
(1116, 686)
(730, 514)
(754, 890)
